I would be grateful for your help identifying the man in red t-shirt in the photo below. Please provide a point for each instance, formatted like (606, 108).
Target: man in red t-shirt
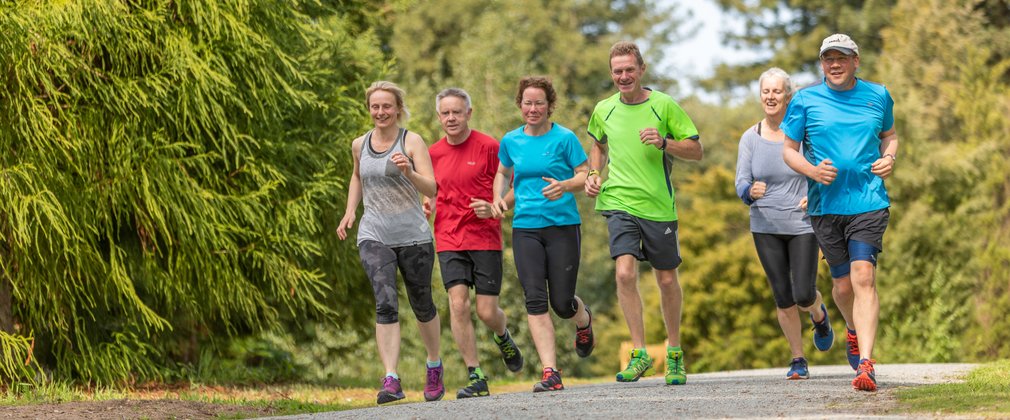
(468, 240)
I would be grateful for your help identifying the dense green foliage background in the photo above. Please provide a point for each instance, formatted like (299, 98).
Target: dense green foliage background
(173, 172)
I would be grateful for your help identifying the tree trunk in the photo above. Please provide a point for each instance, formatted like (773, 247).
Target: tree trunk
(6, 305)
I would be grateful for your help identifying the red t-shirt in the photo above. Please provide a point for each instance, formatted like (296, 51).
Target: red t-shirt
(463, 171)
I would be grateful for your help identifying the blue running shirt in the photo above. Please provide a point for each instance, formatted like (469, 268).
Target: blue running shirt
(553, 155)
(843, 126)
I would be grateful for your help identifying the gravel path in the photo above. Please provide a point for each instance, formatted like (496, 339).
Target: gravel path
(738, 394)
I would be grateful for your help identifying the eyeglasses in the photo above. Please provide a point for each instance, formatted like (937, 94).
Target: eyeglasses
(832, 59)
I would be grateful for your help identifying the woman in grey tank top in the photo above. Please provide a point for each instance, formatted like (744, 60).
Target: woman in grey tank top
(391, 166)
(783, 237)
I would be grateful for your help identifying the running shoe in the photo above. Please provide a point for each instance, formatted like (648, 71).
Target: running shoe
(510, 353)
(675, 372)
(551, 381)
(584, 342)
(824, 336)
(852, 348)
(433, 388)
(390, 391)
(798, 369)
(638, 365)
(475, 387)
(866, 379)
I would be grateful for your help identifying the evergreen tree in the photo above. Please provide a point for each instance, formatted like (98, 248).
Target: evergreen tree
(171, 172)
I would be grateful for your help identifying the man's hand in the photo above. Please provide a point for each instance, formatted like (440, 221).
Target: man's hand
(883, 167)
(824, 173)
(481, 208)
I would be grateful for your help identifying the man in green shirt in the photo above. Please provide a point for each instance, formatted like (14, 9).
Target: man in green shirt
(639, 131)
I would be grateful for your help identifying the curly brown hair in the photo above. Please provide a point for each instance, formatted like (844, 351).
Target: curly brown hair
(539, 82)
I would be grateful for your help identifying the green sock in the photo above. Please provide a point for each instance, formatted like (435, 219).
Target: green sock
(435, 364)
(671, 348)
(394, 375)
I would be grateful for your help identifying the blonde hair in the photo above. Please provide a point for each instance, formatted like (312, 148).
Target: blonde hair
(402, 113)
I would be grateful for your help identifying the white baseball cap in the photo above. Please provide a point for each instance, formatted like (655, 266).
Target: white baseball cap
(841, 43)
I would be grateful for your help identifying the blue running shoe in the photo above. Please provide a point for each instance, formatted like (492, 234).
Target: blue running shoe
(852, 348)
(824, 336)
(798, 369)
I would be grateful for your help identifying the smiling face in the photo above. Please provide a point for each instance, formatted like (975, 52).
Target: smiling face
(774, 96)
(839, 69)
(382, 107)
(627, 74)
(454, 116)
(534, 106)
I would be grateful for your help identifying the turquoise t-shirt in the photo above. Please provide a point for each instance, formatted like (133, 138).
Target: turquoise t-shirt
(843, 126)
(553, 155)
(639, 178)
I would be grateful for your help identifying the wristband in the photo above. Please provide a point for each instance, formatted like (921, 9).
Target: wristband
(593, 172)
(893, 158)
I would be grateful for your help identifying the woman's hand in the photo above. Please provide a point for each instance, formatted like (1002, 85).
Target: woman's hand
(554, 190)
(346, 223)
(758, 189)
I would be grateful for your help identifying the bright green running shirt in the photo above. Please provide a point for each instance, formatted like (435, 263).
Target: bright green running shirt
(639, 178)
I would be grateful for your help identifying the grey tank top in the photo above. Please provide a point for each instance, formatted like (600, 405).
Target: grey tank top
(393, 214)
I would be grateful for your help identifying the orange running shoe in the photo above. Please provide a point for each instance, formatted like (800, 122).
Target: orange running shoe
(865, 380)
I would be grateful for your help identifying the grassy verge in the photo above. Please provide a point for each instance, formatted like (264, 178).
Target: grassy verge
(231, 401)
(985, 392)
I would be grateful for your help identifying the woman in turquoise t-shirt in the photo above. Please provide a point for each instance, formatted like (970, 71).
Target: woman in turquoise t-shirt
(546, 164)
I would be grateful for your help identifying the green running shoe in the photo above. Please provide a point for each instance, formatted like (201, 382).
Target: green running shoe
(475, 387)
(639, 365)
(675, 372)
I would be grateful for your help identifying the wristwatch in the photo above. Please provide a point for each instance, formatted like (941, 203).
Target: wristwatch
(893, 158)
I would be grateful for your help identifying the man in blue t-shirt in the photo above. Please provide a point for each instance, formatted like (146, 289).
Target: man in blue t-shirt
(846, 126)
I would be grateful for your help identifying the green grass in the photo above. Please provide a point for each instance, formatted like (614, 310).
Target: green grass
(985, 392)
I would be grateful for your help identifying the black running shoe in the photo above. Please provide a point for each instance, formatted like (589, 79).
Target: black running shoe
(584, 342)
(476, 387)
(551, 381)
(510, 353)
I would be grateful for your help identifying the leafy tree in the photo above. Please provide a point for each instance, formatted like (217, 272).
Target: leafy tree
(171, 171)
(793, 30)
(945, 265)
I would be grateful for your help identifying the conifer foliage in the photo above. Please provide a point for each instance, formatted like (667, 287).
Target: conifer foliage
(168, 176)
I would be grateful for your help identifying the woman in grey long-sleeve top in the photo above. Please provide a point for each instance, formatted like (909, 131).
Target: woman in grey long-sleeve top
(782, 234)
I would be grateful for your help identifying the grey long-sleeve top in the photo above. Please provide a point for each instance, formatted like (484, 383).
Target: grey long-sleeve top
(778, 211)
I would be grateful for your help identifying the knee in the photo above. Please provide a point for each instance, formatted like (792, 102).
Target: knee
(565, 309)
(862, 274)
(805, 299)
(667, 280)
(626, 277)
(486, 313)
(842, 287)
(459, 306)
(386, 314)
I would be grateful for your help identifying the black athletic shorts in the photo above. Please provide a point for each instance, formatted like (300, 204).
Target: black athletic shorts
(835, 231)
(480, 270)
(645, 239)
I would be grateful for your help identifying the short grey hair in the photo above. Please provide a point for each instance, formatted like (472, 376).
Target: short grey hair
(453, 91)
(777, 72)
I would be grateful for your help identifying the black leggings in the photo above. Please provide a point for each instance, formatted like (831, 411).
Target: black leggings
(547, 261)
(784, 254)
